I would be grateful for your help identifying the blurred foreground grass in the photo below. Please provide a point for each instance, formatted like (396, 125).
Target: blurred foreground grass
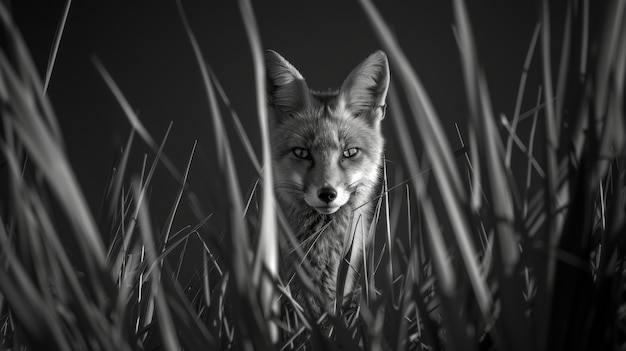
(531, 261)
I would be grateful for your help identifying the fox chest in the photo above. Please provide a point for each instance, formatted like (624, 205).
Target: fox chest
(322, 239)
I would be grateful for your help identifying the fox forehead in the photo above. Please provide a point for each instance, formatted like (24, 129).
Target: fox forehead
(325, 125)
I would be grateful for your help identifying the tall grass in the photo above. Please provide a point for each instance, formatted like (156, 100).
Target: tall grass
(530, 261)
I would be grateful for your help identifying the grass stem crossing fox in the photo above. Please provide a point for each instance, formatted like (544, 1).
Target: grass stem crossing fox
(327, 155)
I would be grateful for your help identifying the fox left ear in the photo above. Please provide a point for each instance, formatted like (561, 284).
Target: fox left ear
(286, 89)
(365, 90)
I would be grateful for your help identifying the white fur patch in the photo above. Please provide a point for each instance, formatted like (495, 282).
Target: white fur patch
(341, 110)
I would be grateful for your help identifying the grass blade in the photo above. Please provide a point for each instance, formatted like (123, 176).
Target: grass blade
(266, 255)
(55, 46)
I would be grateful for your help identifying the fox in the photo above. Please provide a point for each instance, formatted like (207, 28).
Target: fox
(327, 154)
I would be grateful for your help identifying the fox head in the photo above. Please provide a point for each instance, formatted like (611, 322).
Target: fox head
(327, 146)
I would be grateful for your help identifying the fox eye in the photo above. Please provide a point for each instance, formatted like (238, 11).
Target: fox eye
(351, 152)
(301, 152)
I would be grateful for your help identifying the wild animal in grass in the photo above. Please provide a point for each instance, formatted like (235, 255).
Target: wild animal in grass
(327, 150)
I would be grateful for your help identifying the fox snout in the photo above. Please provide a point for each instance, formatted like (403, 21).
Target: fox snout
(326, 199)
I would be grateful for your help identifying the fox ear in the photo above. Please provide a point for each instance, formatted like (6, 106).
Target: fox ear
(365, 89)
(286, 89)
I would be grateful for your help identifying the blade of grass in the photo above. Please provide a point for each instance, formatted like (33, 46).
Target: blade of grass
(520, 92)
(476, 189)
(531, 145)
(584, 40)
(181, 189)
(552, 137)
(389, 265)
(552, 230)
(55, 46)
(241, 132)
(266, 255)
(114, 193)
(562, 81)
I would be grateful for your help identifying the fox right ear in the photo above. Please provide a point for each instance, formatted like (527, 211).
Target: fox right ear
(286, 89)
(365, 89)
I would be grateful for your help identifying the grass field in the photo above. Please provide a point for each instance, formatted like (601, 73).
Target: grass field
(513, 241)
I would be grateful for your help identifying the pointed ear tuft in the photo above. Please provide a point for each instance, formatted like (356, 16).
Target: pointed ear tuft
(365, 89)
(286, 89)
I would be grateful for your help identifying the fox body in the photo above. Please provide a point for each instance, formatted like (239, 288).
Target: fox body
(327, 155)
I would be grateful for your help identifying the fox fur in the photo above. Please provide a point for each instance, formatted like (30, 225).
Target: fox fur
(327, 150)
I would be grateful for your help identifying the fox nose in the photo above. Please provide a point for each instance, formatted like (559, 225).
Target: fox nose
(327, 194)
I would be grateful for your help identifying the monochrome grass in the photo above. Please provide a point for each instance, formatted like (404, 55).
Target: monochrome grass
(490, 259)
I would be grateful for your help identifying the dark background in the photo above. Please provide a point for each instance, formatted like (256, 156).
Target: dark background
(144, 47)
